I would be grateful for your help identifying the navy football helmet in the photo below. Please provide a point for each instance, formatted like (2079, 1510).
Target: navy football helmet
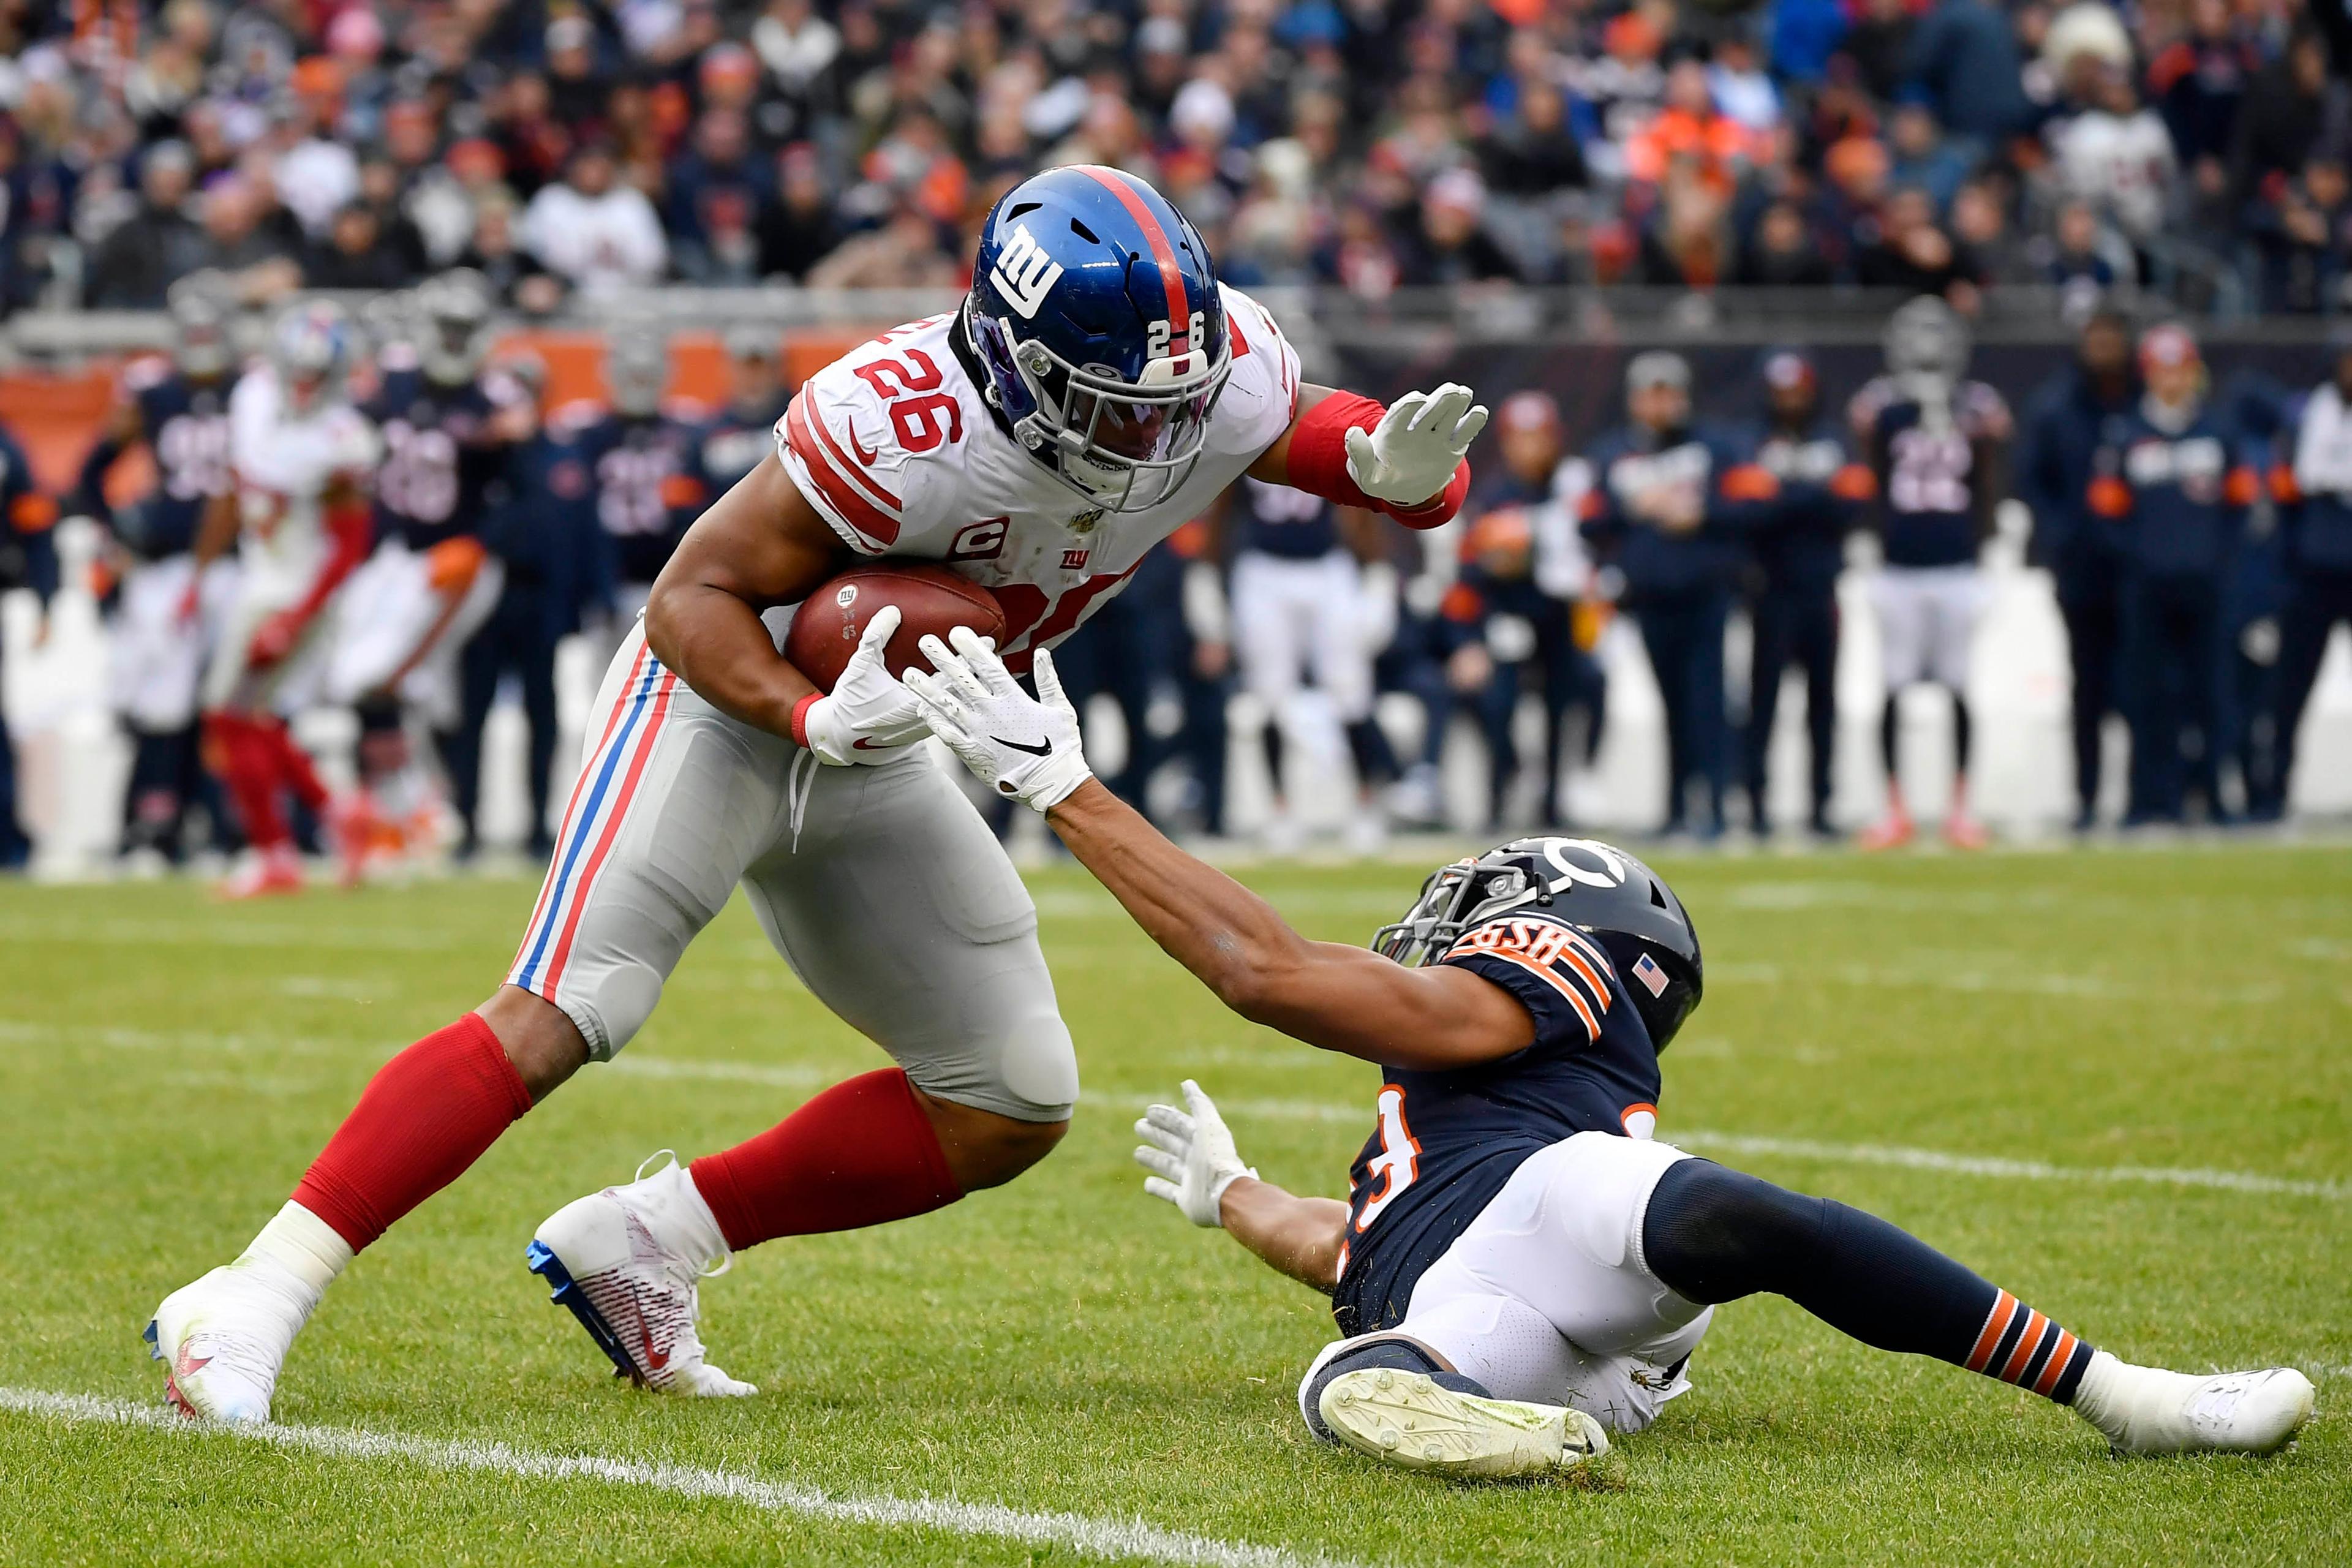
(1094, 312)
(1626, 906)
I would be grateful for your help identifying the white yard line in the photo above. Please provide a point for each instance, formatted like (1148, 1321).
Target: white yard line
(1120, 1539)
(1877, 1155)
(2020, 1170)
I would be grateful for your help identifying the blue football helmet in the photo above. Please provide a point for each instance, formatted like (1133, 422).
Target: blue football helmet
(1094, 312)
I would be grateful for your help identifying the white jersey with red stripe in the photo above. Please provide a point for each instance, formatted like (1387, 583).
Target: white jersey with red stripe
(896, 446)
(284, 462)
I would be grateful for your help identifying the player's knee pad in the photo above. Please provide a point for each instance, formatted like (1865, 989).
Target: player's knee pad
(1713, 1233)
(1031, 1073)
(1369, 1354)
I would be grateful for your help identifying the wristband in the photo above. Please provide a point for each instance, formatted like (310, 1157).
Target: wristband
(799, 718)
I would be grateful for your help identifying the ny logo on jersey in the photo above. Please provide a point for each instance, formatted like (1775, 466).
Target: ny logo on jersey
(1024, 273)
(1075, 560)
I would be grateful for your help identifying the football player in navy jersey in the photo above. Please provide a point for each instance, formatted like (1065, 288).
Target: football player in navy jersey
(447, 425)
(1798, 558)
(179, 410)
(1522, 1267)
(645, 462)
(733, 440)
(1671, 507)
(2169, 484)
(1936, 443)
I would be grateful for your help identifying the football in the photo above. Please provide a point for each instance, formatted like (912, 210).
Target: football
(931, 601)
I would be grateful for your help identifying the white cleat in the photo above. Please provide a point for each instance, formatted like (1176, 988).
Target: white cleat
(629, 1262)
(223, 1339)
(1407, 1419)
(2146, 1410)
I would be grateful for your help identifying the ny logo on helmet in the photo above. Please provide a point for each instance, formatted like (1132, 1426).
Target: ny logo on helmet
(1024, 273)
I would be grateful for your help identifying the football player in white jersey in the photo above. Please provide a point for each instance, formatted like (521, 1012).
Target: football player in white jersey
(302, 456)
(1096, 389)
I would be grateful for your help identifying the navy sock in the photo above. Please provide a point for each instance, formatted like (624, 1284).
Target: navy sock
(1716, 1235)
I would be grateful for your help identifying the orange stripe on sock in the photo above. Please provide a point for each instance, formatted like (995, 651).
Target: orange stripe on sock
(1996, 1323)
(2060, 1354)
(2036, 1325)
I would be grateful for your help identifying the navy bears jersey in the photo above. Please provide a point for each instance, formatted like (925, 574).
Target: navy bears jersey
(441, 464)
(732, 445)
(647, 470)
(1446, 1142)
(1274, 520)
(186, 425)
(2175, 499)
(1937, 486)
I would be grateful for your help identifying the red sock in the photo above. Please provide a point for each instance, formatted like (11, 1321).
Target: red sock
(427, 1115)
(248, 763)
(294, 765)
(861, 1153)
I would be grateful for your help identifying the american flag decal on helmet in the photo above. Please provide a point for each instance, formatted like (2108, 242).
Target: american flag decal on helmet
(1653, 978)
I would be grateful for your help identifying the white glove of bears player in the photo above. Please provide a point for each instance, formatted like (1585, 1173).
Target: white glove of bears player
(1190, 1156)
(1024, 748)
(1410, 455)
(869, 716)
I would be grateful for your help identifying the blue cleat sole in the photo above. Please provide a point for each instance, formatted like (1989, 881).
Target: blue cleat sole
(566, 1293)
(154, 1351)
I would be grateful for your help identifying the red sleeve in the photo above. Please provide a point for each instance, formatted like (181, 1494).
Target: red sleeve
(1318, 462)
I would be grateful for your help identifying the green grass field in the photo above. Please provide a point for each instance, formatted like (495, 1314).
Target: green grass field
(1064, 1346)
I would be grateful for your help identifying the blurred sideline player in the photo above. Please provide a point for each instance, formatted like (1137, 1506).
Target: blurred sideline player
(1672, 507)
(645, 459)
(1096, 389)
(1798, 557)
(2316, 518)
(1536, 475)
(1521, 1268)
(302, 456)
(410, 610)
(1488, 621)
(542, 527)
(2170, 486)
(1936, 442)
(731, 441)
(178, 409)
(1312, 600)
(28, 559)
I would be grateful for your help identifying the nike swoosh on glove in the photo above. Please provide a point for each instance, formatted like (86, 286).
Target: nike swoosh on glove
(1024, 748)
(869, 716)
(1190, 1156)
(1410, 456)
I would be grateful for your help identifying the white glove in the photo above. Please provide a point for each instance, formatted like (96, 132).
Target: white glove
(1024, 748)
(868, 717)
(1410, 457)
(1191, 1157)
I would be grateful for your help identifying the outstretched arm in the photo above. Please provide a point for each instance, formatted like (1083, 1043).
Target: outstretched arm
(1190, 1156)
(1331, 995)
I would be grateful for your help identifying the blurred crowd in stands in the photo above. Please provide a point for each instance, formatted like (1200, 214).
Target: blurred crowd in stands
(2198, 148)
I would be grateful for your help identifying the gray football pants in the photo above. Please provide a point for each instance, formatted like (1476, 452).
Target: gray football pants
(880, 885)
